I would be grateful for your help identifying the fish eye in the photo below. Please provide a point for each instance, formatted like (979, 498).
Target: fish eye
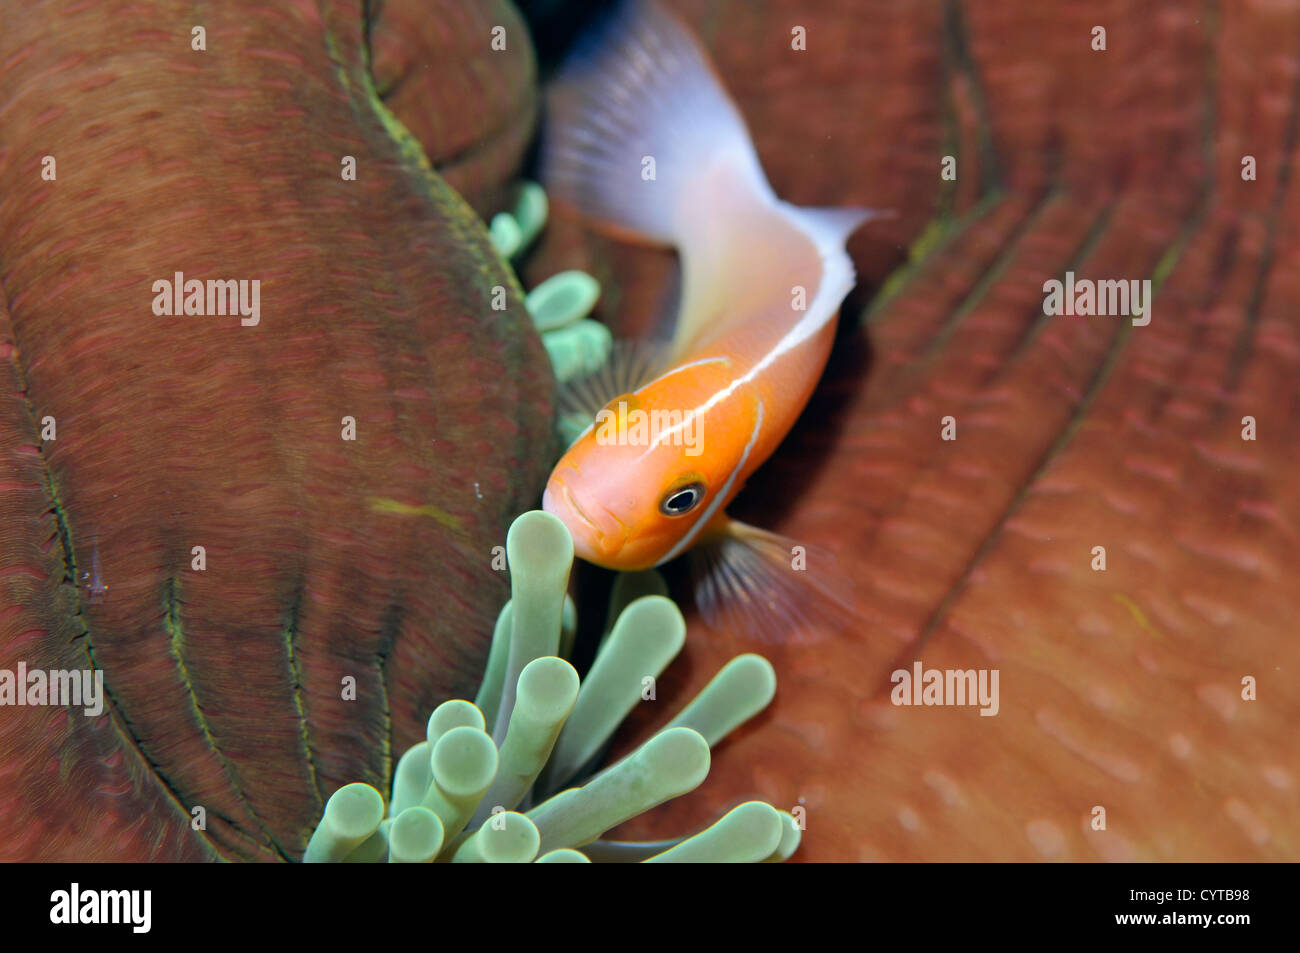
(681, 501)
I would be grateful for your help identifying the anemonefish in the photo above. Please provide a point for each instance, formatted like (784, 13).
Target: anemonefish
(642, 139)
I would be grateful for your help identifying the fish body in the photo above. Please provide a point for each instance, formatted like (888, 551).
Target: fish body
(645, 141)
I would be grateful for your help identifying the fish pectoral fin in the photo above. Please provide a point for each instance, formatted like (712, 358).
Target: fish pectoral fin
(768, 586)
(630, 365)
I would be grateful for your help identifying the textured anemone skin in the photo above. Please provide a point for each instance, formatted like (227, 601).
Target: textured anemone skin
(1118, 688)
(476, 120)
(325, 558)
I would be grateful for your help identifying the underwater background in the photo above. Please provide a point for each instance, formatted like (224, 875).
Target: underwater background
(371, 558)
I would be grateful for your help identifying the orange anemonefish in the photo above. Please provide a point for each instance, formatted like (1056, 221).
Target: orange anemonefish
(643, 139)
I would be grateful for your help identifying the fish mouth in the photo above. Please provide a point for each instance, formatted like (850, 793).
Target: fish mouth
(599, 535)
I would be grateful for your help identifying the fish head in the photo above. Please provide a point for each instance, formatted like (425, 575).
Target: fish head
(634, 487)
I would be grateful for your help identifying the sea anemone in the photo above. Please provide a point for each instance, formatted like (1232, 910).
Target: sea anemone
(514, 776)
(559, 305)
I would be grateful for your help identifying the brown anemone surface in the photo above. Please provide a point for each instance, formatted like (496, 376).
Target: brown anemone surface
(329, 563)
(1120, 689)
(462, 79)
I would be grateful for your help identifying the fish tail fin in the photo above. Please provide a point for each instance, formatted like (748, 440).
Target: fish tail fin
(635, 117)
(768, 586)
